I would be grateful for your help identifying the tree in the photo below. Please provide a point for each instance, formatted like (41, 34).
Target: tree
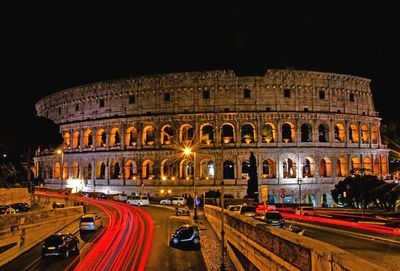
(252, 184)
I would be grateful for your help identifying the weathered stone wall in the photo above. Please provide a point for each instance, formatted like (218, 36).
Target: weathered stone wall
(253, 243)
(14, 195)
(20, 232)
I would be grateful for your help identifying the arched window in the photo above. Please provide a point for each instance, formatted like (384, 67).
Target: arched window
(245, 169)
(89, 173)
(341, 168)
(227, 134)
(76, 140)
(268, 133)
(306, 135)
(101, 138)
(115, 170)
(101, 170)
(65, 171)
(147, 169)
(148, 135)
(376, 167)
(57, 170)
(167, 135)
(131, 136)
(307, 169)
(287, 132)
(211, 169)
(75, 170)
(367, 165)
(322, 168)
(248, 135)
(186, 134)
(323, 133)
(289, 168)
(207, 135)
(374, 135)
(355, 163)
(88, 139)
(364, 134)
(67, 140)
(339, 133)
(130, 169)
(229, 170)
(353, 133)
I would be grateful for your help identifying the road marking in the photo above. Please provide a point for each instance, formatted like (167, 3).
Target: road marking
(361, 235)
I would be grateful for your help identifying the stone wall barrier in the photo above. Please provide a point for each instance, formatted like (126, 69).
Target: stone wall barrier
(253, 245)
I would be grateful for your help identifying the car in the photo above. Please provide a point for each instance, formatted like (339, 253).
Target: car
(122, 197)
(174, 201)
(90, 222)
(21, 207)
(246, 210)
(234, 208)
(58, 205)
(7, 210)
(60, 244)
(274, 218)
(185, 234)
(304, 210)
(140, 200)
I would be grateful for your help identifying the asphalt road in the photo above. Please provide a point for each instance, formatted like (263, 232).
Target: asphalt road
(164, 257)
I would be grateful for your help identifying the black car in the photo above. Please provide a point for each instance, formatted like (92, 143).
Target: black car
(188, 234)
(61, 244)
(275, 219)
(21, 207)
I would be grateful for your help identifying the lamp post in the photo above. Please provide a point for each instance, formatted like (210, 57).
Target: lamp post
(300, 181)
(187, 152)
(222, 228)
(61, 152)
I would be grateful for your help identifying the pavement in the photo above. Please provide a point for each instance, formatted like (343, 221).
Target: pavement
(211, 244)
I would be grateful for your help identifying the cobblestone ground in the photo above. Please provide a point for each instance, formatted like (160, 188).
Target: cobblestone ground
(211, 245)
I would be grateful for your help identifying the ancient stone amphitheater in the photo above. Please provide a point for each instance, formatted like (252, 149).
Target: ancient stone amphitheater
(307, 130)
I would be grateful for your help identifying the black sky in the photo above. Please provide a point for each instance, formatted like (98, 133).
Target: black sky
(50, 48)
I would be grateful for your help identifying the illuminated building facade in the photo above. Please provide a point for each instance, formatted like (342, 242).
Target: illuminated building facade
(128, 134)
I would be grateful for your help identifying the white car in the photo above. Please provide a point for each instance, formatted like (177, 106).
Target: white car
(138, 200)
(174, 201)
(304, 210)
(90, 222)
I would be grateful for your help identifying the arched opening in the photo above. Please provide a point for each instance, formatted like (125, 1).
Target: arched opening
(131, 136)
(185, 169)
(148, 136)
(67, 140)
(289, 168)
(75, 170)
(364, 134)
(376, 166)
(89, 173)
(355, 163)
(101, 138)
(227, 133)
(339, 133)
(353, 133)
(245, 169)
(229, 170)
(148, 169)
(207, 169)
(325, 168)
(288, 132)
(115, 170)
(374, 135)
(367, 165)
(206, 134)
(306, 135)
(57, 170)
(186, 134)
(130, 169)
(323, 133)
(88, 139)
(101, 170)
(76, 140)
(65, 171)
(115, 139)
(308, 168)
(269, 168)
(341, 167)
(166, 135)
(248, 135)
(384, 165)
(268, 133)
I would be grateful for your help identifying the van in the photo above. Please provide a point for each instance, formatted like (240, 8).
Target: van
(90, 222)
(140, 200)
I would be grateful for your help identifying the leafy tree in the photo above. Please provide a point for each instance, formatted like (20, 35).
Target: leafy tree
(252, 184)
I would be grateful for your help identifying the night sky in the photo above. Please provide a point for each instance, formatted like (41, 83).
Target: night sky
(50, 48)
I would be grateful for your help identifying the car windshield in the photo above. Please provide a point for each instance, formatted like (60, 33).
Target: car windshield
(87, 219)
(53, 240)
(273, 216)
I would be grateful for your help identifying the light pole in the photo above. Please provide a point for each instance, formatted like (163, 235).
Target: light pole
(61, 152)
(222, 227)
(300, 181)
(187, 151)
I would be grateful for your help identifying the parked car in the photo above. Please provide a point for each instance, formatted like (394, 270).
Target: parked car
(21, 207)
(140, 200)
(122, 197)
(186, 234)
(7, 210)
(246, 210)
(90, 222)
(234, 208)
(61, 244)
(174, 201)
(274, 218)
(304, 210)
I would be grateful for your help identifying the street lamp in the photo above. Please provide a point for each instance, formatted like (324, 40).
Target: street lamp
(300, 181)
(187, 151)
(222, 228)
(60, 152)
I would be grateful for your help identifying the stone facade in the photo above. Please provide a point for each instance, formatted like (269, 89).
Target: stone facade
(130, 134)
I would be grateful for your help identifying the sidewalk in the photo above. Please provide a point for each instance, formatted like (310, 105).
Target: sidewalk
(210, 244)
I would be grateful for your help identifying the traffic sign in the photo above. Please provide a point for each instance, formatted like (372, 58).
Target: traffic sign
(283, 191)
(264, 192)
(197, 201)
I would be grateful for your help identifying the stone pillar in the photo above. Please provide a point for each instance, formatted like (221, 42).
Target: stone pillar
(107, 170)
(82, 144)
(123, 135)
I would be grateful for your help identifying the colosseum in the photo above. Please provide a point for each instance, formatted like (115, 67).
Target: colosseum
(183, 133)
